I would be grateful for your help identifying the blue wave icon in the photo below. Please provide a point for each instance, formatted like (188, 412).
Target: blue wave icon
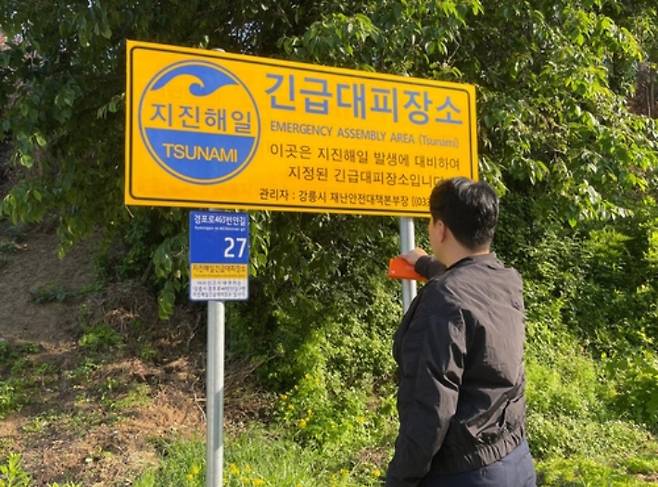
(210, 79)
(201, 154)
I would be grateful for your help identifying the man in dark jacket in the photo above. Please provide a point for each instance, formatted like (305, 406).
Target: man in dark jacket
(459, 350)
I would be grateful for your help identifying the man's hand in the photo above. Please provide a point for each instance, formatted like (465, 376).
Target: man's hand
(413, 255)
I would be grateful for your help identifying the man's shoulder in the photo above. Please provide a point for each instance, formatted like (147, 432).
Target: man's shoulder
(487, 265)
(460, 285)
(440, 292)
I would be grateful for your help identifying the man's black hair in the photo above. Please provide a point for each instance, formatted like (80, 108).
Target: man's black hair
(468, 209)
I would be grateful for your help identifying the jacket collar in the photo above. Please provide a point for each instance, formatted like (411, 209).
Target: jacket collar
(487, 259)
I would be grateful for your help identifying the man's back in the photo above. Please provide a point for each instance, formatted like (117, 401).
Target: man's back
(459, 350)
(476, 305)
(490, 414)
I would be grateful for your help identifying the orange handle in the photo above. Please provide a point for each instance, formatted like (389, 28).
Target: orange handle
(399, 268)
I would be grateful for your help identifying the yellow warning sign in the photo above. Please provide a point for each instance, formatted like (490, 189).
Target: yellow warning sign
(212, 129)
(219, 271)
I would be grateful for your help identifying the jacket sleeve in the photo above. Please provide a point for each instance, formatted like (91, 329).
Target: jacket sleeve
(434, 390)
(427, 266)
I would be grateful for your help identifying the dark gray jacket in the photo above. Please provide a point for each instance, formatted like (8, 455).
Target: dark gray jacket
(459, 350)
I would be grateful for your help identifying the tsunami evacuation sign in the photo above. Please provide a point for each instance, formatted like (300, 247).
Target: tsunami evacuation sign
(220, 130)
(219, 256)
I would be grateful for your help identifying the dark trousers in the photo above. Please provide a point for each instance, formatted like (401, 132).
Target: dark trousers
(514, 470)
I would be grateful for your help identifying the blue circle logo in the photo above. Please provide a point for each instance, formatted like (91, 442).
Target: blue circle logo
(199, 122)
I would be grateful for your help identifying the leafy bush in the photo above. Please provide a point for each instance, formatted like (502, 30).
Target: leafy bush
(636, 378)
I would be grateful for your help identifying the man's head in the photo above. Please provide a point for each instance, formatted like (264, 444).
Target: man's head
(464, 217)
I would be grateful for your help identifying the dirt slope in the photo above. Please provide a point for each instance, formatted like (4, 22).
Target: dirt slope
(89, 416)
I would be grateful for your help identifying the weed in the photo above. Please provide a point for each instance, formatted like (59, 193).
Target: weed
(100, 337)
(642, 465)
(8, 247)
(12, 396)
(579, 471)
(82, 421)
(36, 425)
(139, 395)
(147, 352)
(10, 353)
(83, 372)
(12, 473)
(53, 294)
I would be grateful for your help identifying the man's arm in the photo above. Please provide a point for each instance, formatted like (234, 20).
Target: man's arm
(434, 394)
(425, 265)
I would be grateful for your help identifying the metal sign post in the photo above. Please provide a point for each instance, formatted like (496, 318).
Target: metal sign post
(407, 243)
(219, 271)
(215, 395)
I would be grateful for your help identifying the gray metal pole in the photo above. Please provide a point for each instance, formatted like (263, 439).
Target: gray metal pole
(215, 396)
(407, 243)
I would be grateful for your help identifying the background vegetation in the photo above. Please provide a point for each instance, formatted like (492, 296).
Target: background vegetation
(567, 135)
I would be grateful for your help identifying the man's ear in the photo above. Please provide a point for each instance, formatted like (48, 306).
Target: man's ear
(442, 231)
(435, 228)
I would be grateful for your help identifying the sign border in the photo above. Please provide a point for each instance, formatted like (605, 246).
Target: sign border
(278, 63)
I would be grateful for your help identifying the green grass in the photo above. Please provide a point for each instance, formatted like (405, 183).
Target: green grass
(18, 376)
(577, 439)
(268, 458)
(584, 472)
(258, 457)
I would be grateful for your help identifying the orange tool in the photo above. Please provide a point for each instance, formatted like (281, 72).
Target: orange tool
(399, 268)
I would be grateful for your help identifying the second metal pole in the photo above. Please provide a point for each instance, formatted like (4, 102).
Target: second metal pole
(407, 243)
(215, 396)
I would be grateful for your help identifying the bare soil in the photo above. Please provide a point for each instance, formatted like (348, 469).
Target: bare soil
(98, 418)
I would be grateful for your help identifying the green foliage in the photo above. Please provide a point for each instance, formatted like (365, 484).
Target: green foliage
(571, 389)
(12, 474)
(183, 465)
(100, 338)
(636, 396)
(12, 396)
(642, 465)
